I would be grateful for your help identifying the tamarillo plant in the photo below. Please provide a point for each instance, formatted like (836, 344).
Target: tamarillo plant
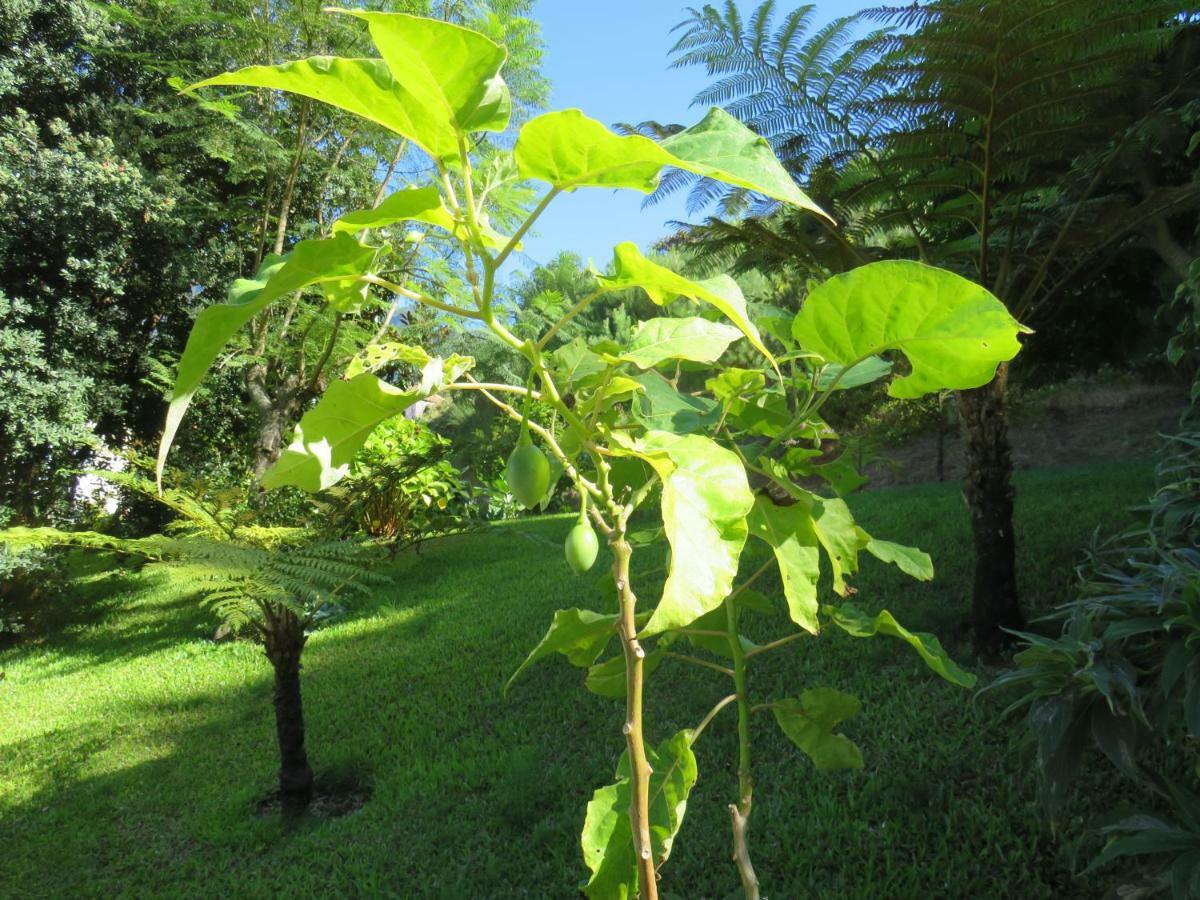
(627, 424)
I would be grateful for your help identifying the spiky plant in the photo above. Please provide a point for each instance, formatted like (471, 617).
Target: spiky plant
(275, 582)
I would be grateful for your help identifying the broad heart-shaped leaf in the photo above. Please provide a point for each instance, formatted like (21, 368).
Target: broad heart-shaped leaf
(435, 81)
(721, 147)
(809, 723)
(857, 623)
(632, 269)
(336, 260)
(578, 634)
(705, 501)
(837, 533)
(569, 150)
(662, 408)
(607, 837)
(364, 87)
(790, 533)
(953, 331)
(332, 432)
(908, 560)
(445, 67)
(418, 204)
(574, 364)
(690, 338)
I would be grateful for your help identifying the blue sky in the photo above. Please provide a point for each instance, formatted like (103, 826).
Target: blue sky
(610, 60)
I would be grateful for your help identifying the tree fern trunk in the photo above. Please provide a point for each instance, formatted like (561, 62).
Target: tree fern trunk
(284, 642)
(989, 494)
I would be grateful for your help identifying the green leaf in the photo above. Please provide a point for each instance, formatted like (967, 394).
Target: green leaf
(857, 623)
(419, 204)
(839, 378)
(662, 408)
(705, 500)
(332, 432)
(908, 560)
(789, 532)
(363, 87)
(569, 150)
(837, 533)
(840, 474)
(693, 338)
(451, 71)
(574, 364)
(953, 331)
(632, 269)
(607, 679)
(435, 80)
(809, 723)
(578, 634)
(722, 148)
(733, 383)
(607, 837)
(332, 260)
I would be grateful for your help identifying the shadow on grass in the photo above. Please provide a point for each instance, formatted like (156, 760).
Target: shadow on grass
(476, 795)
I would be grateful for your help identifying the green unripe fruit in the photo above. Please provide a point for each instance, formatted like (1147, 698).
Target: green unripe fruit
(528, 474)
(581, 547)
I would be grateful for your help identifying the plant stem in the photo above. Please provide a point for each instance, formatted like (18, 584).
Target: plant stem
(639, 795)
(740, 812)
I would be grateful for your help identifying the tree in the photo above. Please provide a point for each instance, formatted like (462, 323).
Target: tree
(622, 431)
(977, 136)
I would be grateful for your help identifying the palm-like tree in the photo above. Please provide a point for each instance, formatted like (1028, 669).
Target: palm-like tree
(984, 136)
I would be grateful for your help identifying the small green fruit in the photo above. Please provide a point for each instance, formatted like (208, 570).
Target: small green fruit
(581, 547)
(528, 475)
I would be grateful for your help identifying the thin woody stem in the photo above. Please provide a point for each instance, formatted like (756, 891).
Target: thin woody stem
(739, 812)
(639, 765)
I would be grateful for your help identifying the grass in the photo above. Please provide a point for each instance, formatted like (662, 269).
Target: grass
(133, 750)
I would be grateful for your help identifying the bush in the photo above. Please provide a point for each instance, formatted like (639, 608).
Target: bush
(1122, 682)
(401, 487)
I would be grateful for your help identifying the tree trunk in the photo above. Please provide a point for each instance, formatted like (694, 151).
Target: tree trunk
(284, 641)
(989, 494)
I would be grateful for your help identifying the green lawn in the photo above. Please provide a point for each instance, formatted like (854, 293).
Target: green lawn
(133, 751)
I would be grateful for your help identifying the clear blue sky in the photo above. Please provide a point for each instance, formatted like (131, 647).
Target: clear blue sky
(610, 59)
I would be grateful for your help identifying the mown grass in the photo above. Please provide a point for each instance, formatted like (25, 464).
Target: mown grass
(133, 750)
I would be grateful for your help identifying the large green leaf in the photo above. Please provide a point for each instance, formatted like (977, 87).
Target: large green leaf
(569, 150)
(837, 533)
(607, 837)
(953, 331)
(705, 500)
(332, 432)
(908, 560)
(721, 147)
(444, 67)
(662, 408)
(333, 260)
(632, 269)
(790, 533)
(857, 623)
(435, 81)
(809, 723)
(364, 87)
(690, 338)
(607, 679)
(578, 634)
(419, 204)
